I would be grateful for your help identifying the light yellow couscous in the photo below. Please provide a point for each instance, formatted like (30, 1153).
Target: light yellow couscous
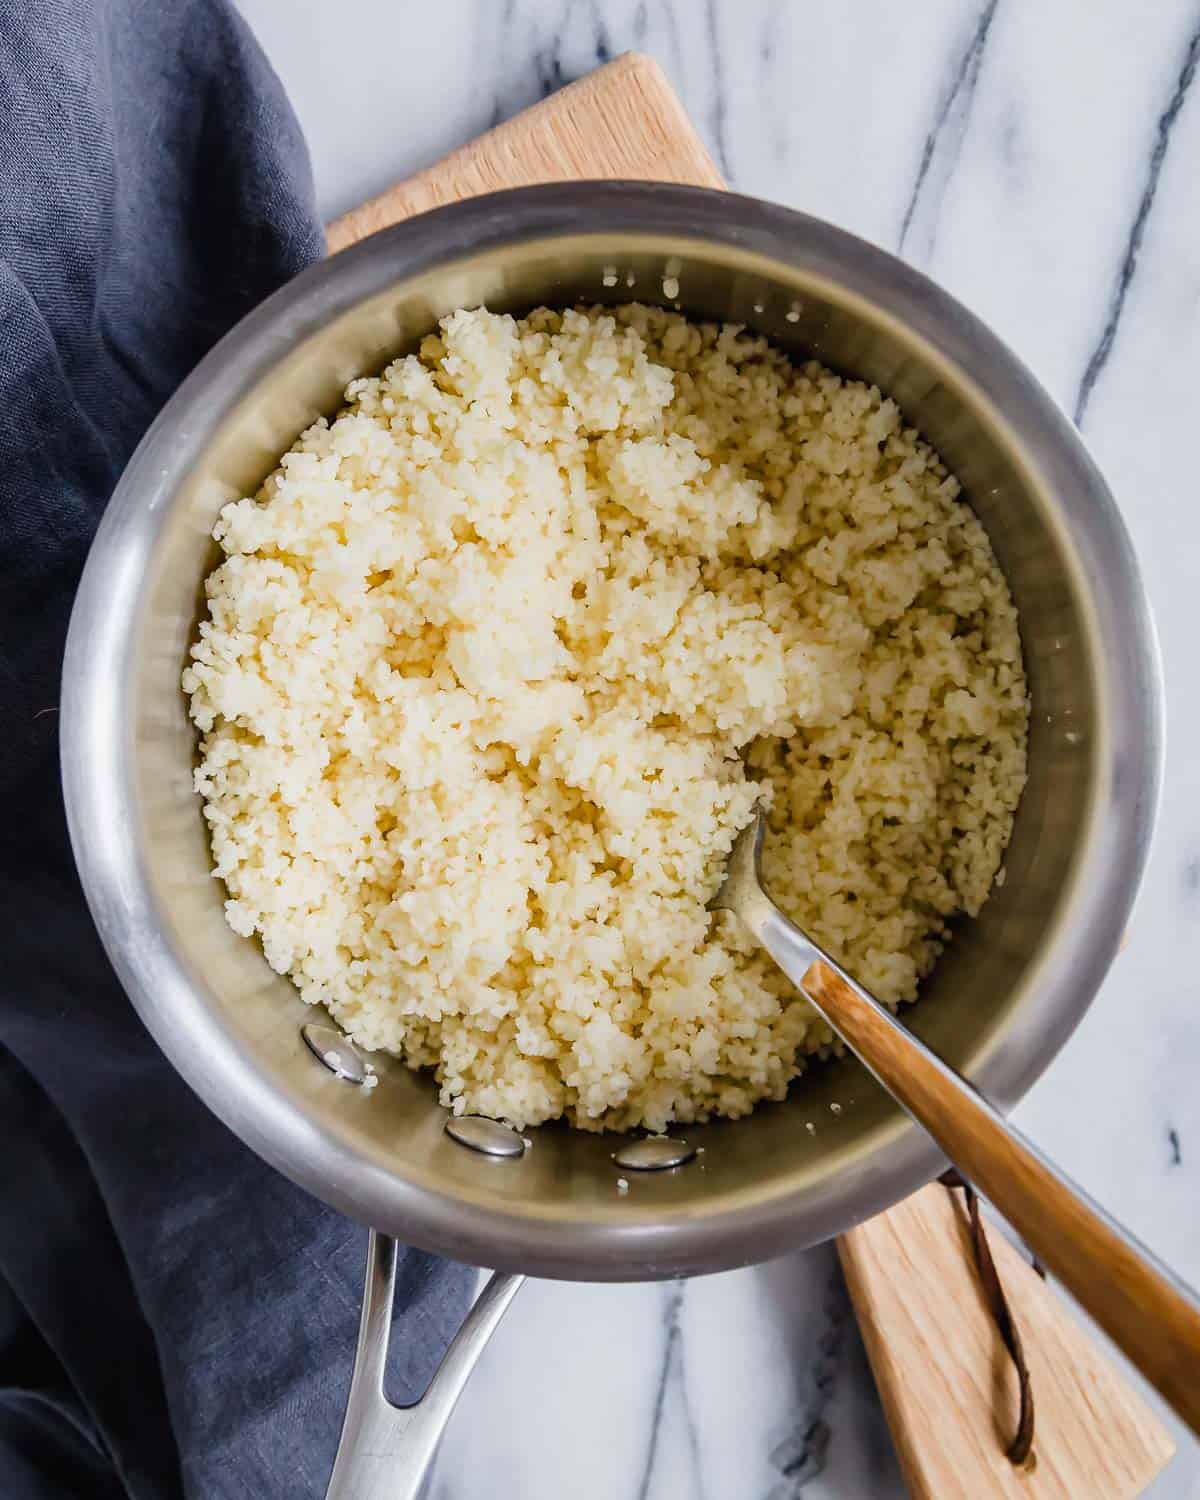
(500, 659)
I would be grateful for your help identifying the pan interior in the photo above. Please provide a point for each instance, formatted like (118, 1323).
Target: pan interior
(566, 1183)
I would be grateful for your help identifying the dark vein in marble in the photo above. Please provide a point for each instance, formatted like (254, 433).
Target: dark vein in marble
(769, 40)
(671, 22)
(1162, 139)
(641, 22)
(602, 42)
(538, 64)
(672, 1360)
(507, 16)
(548, 59)
(547, 65)
(717, 113)
(960, 93)
(1176, 1148)
(801, 1456)
(675, 1298)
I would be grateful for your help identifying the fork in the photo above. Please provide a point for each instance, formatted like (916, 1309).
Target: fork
(1143, 1307)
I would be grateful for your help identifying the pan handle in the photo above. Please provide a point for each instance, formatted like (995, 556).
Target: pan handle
(385, 1451)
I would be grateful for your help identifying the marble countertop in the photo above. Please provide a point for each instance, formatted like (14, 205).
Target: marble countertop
(1041, 163)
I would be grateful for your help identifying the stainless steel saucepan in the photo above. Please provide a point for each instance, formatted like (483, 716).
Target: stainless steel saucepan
(1005, 997)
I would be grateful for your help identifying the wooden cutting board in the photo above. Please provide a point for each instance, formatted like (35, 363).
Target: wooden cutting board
(621, 121)
(944, 1378)
(949, 1389)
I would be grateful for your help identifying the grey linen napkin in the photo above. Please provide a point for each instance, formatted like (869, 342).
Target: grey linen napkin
(175, 1318)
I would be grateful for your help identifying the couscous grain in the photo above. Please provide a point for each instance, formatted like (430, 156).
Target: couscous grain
(499, 660)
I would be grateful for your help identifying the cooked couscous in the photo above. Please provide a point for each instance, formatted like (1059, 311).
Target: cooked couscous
(500, 659)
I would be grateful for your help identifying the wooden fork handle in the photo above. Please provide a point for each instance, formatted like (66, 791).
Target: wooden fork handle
(1150, 1315)
(1143, 1308)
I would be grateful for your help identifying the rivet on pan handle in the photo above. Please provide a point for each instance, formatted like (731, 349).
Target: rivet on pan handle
(385, 1451)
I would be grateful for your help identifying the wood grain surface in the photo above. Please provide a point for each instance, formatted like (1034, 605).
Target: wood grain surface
(948, 1387)
(942, 1372)
(1149, 1316)
(623, 120)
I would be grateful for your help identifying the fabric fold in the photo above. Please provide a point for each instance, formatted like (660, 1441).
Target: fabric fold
(175, 1317)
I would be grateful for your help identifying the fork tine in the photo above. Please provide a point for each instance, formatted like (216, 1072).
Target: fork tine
(741, 870)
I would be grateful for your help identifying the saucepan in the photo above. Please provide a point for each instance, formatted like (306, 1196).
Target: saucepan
(1002, 1001)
